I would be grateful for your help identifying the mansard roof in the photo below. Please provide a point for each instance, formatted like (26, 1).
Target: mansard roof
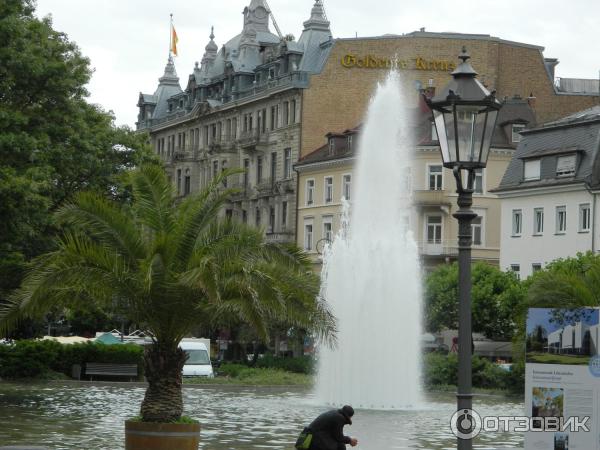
(577, 134)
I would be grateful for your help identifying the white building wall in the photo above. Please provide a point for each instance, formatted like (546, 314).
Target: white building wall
(528, 248)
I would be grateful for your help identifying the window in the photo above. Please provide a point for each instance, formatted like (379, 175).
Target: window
(328, 191)
(293, 111)
(434, 229)
(478, 186)
(263, 121)
(328, 228)
(286, 113)
(517, 222)
(187, 184)
(536, 267)
(257, 217)
(246, 169)
(516, 269)
(244, 216)
(561, 219)
(538, 221)
(308, 236)
(532, 170)
(287, 163)
(215, 169)
(477, 226)
(349, 141)
(516, 130)
(223, 169)
(284, 212)
(259, 169)
(435, 178)
(271, 219)
(274, 116)
(234, 128)
(584, 217)
(565, 166)
(178, 181)
(273, 165)
(346, 186)
(310, 192)
(434, 136)
(331, 146)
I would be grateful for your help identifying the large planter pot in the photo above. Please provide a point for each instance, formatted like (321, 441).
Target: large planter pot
(161, 436)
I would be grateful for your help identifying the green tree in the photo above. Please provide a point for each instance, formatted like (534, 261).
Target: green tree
(53, 143)
(170, 266)
(495, 295)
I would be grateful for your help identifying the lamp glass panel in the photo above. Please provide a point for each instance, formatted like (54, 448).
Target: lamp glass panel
(490, 125)
(440, 126)
(469, 125)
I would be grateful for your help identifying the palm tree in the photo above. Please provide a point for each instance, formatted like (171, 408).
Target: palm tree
(170, 266)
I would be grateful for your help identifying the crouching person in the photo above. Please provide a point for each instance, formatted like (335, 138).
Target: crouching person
(328, 430)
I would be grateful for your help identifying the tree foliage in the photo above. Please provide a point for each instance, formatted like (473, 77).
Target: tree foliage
(494, 295)
(170, 266)
(53, 143)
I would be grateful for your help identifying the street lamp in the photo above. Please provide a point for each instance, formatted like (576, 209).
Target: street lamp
(465, 114)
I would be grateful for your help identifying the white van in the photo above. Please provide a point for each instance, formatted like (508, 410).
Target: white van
(198, 361)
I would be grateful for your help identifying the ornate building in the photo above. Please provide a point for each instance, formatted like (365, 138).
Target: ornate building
(241, 108)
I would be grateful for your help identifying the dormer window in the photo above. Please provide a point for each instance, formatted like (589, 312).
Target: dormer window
(532, 170)
(516, 131)
(331, 146)
(565, 165)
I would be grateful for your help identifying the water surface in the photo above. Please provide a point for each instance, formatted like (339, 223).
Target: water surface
(78, 416)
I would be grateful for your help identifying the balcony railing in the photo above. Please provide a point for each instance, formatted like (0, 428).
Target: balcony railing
(280, 237)
(431, 198)
(448, 247)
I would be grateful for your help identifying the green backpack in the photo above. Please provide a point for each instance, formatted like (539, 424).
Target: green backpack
(304, 440)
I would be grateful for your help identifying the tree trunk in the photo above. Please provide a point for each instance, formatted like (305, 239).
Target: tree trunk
(163, 401)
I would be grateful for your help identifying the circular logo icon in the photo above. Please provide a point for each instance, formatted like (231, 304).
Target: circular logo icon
(594, 365)
(465, 423)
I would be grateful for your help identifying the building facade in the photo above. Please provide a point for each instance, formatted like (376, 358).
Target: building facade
(262, 101)
(241, 108)
(549, 194)
(326, 180)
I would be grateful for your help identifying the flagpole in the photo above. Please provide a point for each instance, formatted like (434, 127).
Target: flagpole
(171, 36)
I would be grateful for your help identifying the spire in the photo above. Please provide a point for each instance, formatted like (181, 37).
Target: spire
(170, 75)
(211, 46)
(318, 19)
(211, 52)
(256, 16)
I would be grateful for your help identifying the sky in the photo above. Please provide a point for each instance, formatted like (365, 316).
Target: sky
(127, 41)
(542, 316)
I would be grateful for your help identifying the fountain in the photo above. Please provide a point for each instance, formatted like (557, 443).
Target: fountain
(371, 272)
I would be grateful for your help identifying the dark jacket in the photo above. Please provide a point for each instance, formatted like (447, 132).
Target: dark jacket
(328, 431)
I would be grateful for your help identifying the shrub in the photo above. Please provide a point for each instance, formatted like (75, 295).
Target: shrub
(31, 358)
(231, 369)
(302, 364)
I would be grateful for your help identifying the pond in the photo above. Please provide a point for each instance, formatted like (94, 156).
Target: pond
(90, 417)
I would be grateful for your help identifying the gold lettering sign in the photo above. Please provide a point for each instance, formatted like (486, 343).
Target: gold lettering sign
(375, 62)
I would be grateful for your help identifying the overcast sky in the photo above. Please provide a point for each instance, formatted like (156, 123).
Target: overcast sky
(127, 40)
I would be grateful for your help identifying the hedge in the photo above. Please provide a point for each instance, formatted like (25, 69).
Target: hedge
(32, 358)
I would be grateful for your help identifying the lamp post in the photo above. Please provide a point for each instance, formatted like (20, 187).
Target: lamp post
(465, 114)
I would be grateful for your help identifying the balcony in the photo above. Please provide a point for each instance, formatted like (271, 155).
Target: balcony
(286, 186)
(440, 248)
(222, 147)
(431, 198)
(252, 141)
(265, 187)
(243, 192)
(279, 237)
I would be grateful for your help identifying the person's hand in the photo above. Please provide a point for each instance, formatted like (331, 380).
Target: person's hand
(353, 442)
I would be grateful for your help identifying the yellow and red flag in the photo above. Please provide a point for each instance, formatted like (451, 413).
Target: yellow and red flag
(174, 40)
